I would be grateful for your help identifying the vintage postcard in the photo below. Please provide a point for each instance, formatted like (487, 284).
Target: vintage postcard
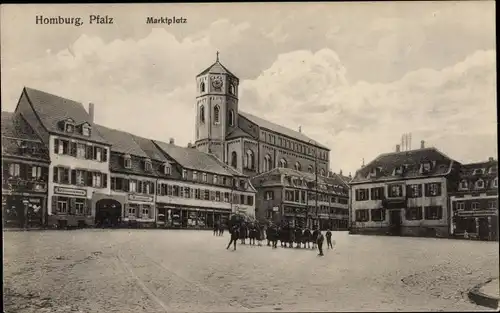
(260, 157)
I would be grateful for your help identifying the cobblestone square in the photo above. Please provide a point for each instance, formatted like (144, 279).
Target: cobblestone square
(178, 271)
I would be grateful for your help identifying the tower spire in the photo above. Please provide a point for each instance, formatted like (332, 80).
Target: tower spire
(217, 56)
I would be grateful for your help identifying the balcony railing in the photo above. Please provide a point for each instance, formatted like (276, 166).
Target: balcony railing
(23, 185)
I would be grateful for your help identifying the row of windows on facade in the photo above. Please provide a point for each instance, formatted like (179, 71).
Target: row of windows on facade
(300, 182)
(65, 175)
(424, 167)
(478, 184)
(482, 171)
(411, 214)
(132, 185)
(70, 126)
(202, 194)
(232, 88)
(216, 116)
(27, 171)
(396, 190)
(295, 146)
(72, 206)
(147, 165)
(321, 209)
(139, 210)
(80, 150)
(474, 205)
(283, 163)
(300, 197)
(25, 147)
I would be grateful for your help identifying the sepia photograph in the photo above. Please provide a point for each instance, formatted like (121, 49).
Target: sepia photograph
(249, 157)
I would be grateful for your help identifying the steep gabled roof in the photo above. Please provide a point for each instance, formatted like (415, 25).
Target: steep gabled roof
(150, 148)
(121, 142)
(16, 127)
(196, 160)
(52, 109)
(262, 123)
(387, 162)
(467, 170)
(216, 68)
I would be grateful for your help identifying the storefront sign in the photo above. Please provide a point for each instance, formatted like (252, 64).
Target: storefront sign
(477, 213)
(70, 191)
(140, 198)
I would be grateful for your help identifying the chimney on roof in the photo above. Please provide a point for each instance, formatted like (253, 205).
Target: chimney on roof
(350, 175)
(340, 172)
(300, 129)
(172, 141)
(398, 148)
(422, 144)
(190, 145)
(491, 159)
(363, 164)
(91, 112)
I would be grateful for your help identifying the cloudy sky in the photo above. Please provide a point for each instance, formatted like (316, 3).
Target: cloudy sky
(355, 76)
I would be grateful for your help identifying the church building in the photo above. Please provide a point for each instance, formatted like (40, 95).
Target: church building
(248, 143)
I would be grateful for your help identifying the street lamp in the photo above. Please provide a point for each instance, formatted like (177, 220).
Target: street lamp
(315, 175)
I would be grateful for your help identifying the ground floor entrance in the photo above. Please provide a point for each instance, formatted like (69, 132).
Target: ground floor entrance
(186, 217)
(476, 227)
(108, 213)
(395, 222)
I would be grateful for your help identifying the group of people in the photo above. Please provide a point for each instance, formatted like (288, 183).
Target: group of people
(286, 234)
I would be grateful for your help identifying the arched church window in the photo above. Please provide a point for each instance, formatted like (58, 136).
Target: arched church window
(202, 87)
(231, 118)
(249, 160)
(232, 89)
(234, 159)
(202, 114)
(297, 166)
(283, 163)
(216, 114)
(267, 163)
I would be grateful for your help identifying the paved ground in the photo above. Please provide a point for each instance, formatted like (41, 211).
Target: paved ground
(164, 271)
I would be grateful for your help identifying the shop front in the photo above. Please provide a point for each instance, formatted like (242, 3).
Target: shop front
(295, 216)
(108, 209)
(177, 216)
(71, 207)
(139, 210)
(480, 224)
(24, 210)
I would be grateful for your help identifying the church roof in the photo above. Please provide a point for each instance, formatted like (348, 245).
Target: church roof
(262, 123)
(238, 133)
(216, 68)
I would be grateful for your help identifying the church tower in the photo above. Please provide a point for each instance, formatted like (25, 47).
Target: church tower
(216, 108)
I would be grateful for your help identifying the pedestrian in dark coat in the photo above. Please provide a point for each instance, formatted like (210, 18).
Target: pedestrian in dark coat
(235, 232)
(216, 229)
(307, 238)
(221, 229)
(268, 234)
(243, 233)
(275, 232)
(329, 239)
(320, 239)
(315, 236)
(298, 236)
(291, 236)
(260, 234)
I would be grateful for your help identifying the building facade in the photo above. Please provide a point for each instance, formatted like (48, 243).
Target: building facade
(404, 193)
(79, 155)
(475, 202)
(25, 164)
(246, 142)
(302, 199)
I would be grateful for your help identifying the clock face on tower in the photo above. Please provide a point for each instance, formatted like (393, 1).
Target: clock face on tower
(217, 83)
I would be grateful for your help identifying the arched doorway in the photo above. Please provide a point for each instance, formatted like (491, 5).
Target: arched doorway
(108, 213)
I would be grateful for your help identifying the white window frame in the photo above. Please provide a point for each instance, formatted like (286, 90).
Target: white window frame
(495, 182)
(492, 204)
(184, 174)
(215, 179)
(433, 189)
(36, 172)
(86, 130)
(80, 178)
(79, 206)
(96, 180)
(460, 206)
(195, 175)
(145, 212)
(127, 162)
(14, 169)
(204, 177)
(475, 205)
(464, 185)
(81, 150)
(60, 147)
(98, 154)
(132, 184)
(479, 186)
(131, 210)
(62, 206)
(148, 166)
(478, 171)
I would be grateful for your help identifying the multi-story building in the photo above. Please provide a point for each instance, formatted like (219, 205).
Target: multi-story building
(133, 181)
(302, 199)
(25, 164)
(201, 189)
(79, 155)
(248, 143)
(475, 202)
(404, 193)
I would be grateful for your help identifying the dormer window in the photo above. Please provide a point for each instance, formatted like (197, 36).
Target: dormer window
(184, 174)
(398, 170)
(195, 175)
(204, 177)
(478, 171)
(86, 130)
(375, 171)
(494, 183)
(148, 166)
(480, 184)
(127, 161)
(216, 180)
(69, 128)
(463, 185)
(425, 167)
(493, 170)
(167, 170)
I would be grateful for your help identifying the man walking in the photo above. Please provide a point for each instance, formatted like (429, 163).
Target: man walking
(329, 239)
(235, 231)
(319, 241)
